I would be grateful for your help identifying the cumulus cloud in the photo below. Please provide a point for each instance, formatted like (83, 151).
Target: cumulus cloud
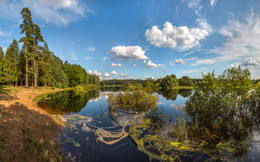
(204, 61)
(150, 64)
(95, 72)
(134, 65)
(116, 65)
(235, 65)
(248, 62)
(178, 61)
(251, 61)
(182, 37)
(88, 58)
(113, 73)
(128, 53)
(59, 12)
(242, 39)
(92, 49)
(72, 55)
(107, 75)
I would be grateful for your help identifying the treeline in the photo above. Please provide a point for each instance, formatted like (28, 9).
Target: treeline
(35, 65)
(121, 81)
(168, 82)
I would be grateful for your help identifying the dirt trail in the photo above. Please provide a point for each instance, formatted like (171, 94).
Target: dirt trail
(27, 133)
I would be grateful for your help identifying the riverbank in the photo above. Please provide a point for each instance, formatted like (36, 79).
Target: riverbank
(27, 133)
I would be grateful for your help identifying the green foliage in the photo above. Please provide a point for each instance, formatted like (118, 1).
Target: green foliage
(2, 79)
(186, 81)
(10, 70)
(258, 84)
(138, 100)
(169, 82)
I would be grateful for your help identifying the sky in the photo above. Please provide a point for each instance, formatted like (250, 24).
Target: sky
(142, 39)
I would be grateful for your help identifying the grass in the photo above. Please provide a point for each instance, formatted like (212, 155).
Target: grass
(182, 87)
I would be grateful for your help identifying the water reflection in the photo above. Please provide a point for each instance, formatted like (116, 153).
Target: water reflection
(96, 131)
(66, 101)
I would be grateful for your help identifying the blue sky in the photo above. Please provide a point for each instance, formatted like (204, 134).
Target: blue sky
(145, 38)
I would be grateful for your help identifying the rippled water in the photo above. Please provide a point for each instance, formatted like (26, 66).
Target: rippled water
(94, 132)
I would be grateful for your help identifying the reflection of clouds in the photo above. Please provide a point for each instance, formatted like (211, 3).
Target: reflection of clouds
(160, 103)
(106, 96)
(254, 155)
(177, 106)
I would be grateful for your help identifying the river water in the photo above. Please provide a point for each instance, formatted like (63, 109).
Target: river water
(94, 132)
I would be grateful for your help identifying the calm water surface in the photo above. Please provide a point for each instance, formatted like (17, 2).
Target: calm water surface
(94, 132)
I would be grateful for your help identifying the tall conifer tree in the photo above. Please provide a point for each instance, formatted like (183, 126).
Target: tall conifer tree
(26, 28)
(1, 66)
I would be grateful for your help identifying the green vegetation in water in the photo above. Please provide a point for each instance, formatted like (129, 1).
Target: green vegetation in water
(139, 100)
(224, 114)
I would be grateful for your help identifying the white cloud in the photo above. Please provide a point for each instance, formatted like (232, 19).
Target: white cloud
(123, 75)
(92, 49)
(59, 12)
(150, 64)
(193, 3)
(128, 53)
(194, 70)
(251, 61)
(95, 72)
(113, 73)
(182, 37)
(204, 61)
(203, 24)
(88, 58)
(235, 65)
(105, 58)
(191, 59)
(242, 39)
(107, 75)
(248, 62)
(213, 2)
(134, 65)
(178, 61)
(72, 55)
(116, 65)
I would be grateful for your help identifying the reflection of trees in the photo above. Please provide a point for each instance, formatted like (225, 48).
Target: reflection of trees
(170, 94)
(224, 116)
(66, 101)
(185, 92)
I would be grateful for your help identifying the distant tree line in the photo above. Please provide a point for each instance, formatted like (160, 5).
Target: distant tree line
(167, 82)
(35, 65)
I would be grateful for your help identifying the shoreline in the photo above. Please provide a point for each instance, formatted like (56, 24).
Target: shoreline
(27, 132)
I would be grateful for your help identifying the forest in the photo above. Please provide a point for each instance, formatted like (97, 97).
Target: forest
(35, 65)
(167, 82)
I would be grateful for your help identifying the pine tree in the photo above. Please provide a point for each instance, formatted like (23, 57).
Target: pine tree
(9, 65)
(26, 28)
(45, 76)
(15, 50)
(21, 66)
(1, 66)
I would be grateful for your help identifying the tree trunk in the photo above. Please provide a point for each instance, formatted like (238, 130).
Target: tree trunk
(26, 71)
(26, 65)
(35, 74)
